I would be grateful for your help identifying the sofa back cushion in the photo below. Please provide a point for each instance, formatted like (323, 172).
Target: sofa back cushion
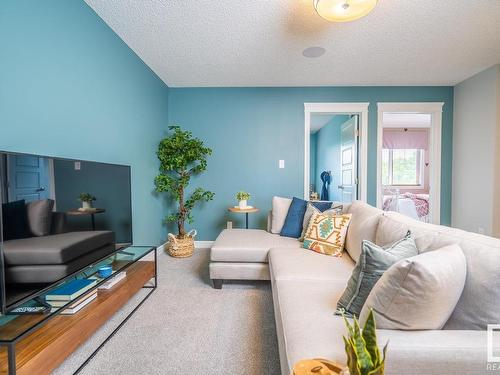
(478, 304)
(40, 216)
(363, 226)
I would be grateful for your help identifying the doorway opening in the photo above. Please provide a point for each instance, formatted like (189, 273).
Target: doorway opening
(335, 151)
(409, 159)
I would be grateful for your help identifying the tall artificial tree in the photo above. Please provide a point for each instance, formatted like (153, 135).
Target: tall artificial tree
(181, 157)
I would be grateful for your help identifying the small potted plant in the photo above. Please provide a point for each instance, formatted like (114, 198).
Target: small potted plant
(86, 199)
(242, 197)
(363, 354)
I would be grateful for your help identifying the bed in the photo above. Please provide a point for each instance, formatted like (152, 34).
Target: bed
(409, 204)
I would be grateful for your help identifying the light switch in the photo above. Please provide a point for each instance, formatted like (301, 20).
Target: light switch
(78, 165)
(282, 164)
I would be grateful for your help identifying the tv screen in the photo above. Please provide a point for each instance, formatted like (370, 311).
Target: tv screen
(57, 217)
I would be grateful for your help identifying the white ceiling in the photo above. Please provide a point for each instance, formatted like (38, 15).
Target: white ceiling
(260, 42)
(318, 120)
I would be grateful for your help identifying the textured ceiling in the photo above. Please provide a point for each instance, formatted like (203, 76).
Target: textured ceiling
(260, 42)
(318, 120)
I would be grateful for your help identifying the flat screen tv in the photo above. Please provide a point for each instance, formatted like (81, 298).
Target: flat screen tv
(46, 231)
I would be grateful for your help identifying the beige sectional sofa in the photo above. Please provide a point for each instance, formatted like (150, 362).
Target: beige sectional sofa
(306, 287)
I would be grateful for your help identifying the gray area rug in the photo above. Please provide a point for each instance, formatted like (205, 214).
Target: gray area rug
(187, 327)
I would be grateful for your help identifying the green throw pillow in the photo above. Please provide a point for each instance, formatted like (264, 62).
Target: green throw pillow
(373, 262)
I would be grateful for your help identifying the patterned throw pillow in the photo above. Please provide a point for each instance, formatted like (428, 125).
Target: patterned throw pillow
(326, 233)
(312, 208)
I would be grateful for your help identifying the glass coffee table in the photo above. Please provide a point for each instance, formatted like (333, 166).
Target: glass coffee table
(15, 327)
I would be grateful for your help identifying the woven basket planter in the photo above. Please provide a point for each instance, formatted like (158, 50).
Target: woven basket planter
(181, 248)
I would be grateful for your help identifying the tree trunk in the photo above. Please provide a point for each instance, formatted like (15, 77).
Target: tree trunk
(182, 214)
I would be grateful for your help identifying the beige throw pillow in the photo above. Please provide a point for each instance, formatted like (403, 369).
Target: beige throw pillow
(280, 210)
(419, 292)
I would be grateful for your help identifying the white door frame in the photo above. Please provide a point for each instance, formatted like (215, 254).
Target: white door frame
(435, 109)
(360, 109)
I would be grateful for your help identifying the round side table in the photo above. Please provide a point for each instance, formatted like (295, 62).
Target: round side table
(245, 211)
(92, 212)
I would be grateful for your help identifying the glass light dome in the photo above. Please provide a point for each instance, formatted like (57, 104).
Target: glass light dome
(343, 10)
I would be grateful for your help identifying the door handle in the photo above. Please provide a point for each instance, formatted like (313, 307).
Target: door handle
(341, 187)
(40, 189)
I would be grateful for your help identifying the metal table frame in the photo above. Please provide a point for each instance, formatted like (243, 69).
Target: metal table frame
(11, 345)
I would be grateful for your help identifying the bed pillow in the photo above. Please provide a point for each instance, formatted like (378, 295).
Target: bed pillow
(420, 292)
(373, 262)
(312, 208)
(40, 216)
(326, 234)
(280, 210)
(294, 218)
(14, 220)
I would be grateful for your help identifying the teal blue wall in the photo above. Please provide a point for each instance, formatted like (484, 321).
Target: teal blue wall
(328, 155)
(70, 87)
(109, 183)
(250, 129)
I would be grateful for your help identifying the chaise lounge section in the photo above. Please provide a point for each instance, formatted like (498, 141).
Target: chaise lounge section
(47, 259)
(306, 287)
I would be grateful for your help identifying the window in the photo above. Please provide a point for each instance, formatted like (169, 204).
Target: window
(402, 167)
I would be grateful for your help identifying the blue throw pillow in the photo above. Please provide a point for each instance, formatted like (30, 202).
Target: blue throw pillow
(322, 205)
(294, 218)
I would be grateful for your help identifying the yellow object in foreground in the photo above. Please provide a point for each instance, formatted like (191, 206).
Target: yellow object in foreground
(317, 366)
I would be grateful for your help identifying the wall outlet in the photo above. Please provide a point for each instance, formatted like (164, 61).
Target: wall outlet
(78, 165)
(480, 230)
(229, 225)
(281, 164)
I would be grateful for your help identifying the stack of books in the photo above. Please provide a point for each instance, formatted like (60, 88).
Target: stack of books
(71, 291)
(113, 281)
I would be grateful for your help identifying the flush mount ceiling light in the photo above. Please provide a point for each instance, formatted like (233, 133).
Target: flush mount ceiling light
(343, 10)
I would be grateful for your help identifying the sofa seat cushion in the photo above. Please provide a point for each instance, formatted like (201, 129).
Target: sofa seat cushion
(306, 315)
(302, 264)
(50, 273)
(247, 245)
(54, 249)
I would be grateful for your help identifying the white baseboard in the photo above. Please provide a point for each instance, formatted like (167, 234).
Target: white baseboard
(203, 244)
(162, 247)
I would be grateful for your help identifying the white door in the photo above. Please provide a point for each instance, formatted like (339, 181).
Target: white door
(349, 160)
